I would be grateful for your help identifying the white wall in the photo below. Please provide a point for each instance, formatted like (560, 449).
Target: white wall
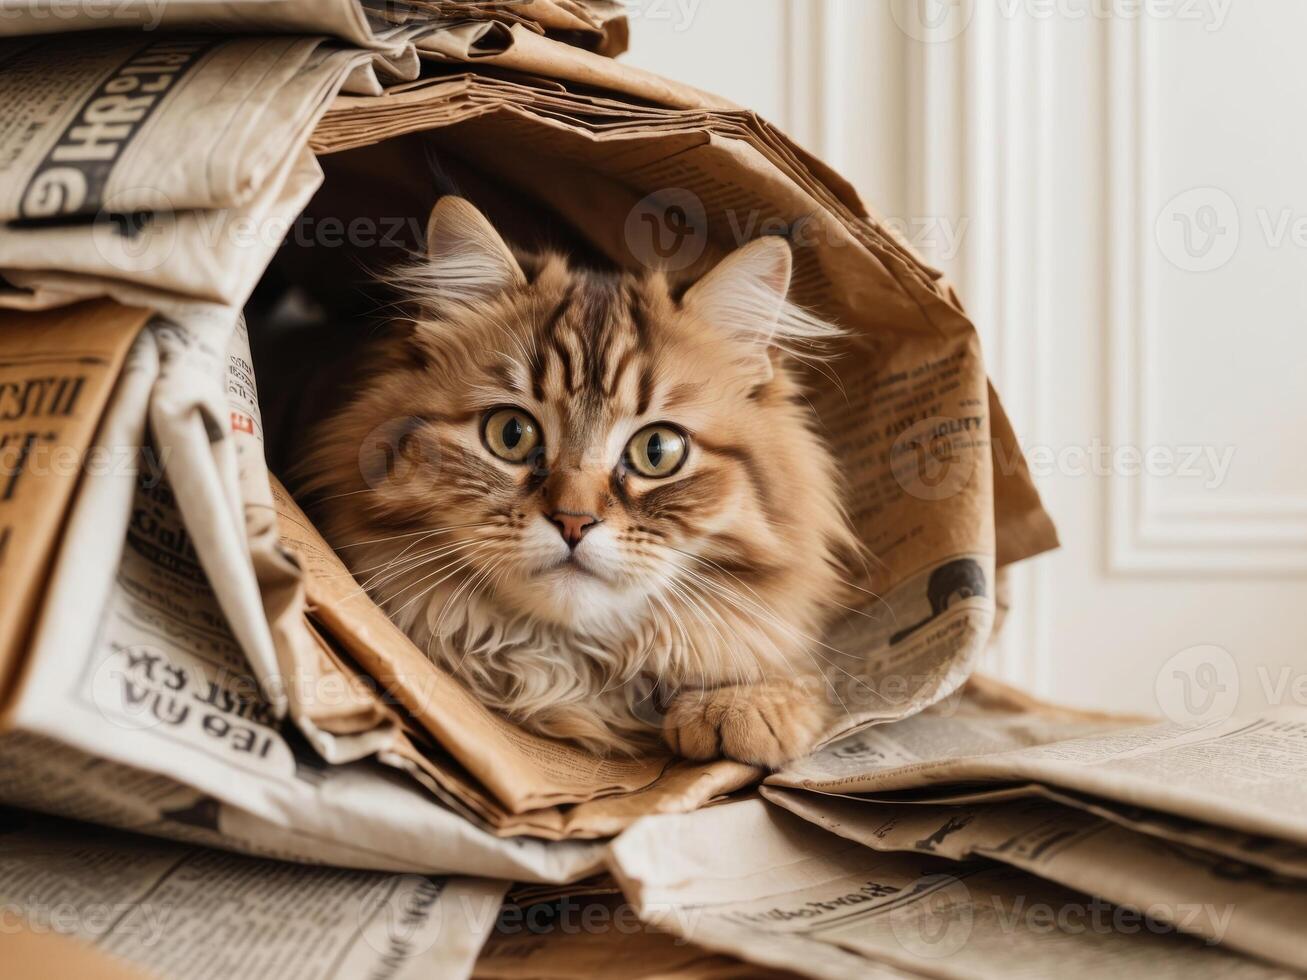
(1120, 198)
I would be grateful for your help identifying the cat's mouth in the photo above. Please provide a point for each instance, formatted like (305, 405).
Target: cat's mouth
(574, 565)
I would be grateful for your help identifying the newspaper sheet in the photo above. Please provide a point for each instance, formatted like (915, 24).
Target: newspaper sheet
(1253, 910)
(136, 660)
(599, 937)
(344, 18)
(182, 912)
(56, 373)
(1259, 851)
(163, 260)
(788, 894)
(91, 136)
(156, 168)
(1245, 774)
(370, 24)
(519, 49)
(120, 122)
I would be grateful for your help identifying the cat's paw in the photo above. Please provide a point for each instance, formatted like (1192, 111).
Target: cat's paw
(761, 724)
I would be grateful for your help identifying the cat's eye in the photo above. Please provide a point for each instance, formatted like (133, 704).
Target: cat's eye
(510, 434)
(657, 451)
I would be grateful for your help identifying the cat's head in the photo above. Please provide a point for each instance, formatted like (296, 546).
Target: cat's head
(590, 450)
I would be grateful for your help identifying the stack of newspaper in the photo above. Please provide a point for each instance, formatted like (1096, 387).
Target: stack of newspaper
(182, 655)
(993, 836)
(163, 168)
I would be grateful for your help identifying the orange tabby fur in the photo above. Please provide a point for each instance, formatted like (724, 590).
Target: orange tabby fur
(702, 592)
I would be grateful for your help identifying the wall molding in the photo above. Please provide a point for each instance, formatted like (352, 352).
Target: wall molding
(980, 150)
(804, 114)
(977, 140)
(1148, 533)
(819, 41)
(1015, 259)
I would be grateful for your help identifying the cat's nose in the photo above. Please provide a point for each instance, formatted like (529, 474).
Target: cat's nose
(572, 526)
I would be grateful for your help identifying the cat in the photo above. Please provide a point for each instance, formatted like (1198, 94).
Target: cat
(600, 500)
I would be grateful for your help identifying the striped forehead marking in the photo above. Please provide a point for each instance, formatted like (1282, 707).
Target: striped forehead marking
(593, 339)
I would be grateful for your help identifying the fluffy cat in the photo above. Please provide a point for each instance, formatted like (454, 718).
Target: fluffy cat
(598, 499)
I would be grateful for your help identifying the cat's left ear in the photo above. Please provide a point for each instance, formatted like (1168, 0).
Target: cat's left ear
(469, 261)
(745, 295)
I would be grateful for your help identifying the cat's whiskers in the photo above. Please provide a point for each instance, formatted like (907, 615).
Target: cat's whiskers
(468, 644)
(423, 594)
(346, 493)
(460, 561)
(496, 564)
(728, 650)
(675, 620)
(387, 576)
(431, 533)
(644, 644)
(466, 584)
(843, 581)
(513, 336)
(816, 363)
(745, 604)
(744, 676)
(394, 569)
(658, 644)
(410, 534)
(404, 558)
(416, 565)
(748, 606)
(735, 653)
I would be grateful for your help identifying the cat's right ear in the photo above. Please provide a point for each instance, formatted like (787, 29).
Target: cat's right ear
(468, 259)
